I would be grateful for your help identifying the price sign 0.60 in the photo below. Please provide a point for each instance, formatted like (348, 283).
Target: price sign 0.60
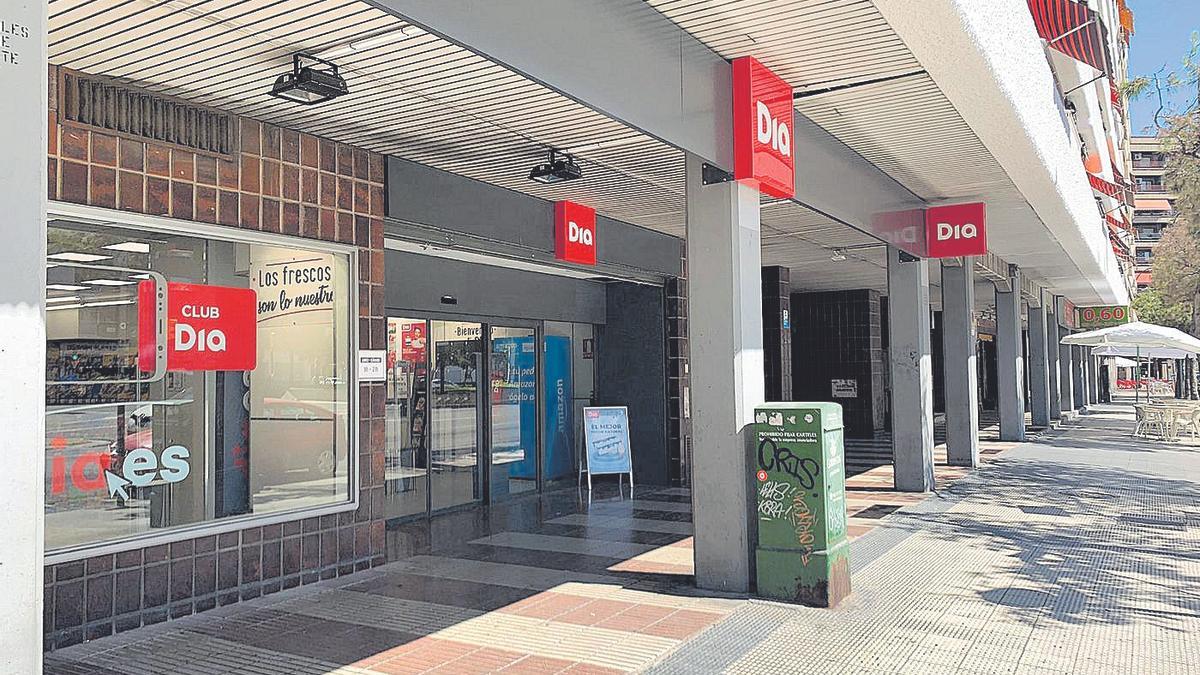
(1101, 317)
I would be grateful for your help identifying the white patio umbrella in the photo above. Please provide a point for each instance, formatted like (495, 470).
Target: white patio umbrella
(1137, 336)
(1153, 353)
(1122, 362)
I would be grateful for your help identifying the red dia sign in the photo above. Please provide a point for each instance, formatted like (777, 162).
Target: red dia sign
(956, 230)
(208, 327)
(575, 233)
(762, 123)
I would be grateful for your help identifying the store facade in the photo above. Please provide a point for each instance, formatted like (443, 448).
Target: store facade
(211, 284)
(495, 345)
(210, 281)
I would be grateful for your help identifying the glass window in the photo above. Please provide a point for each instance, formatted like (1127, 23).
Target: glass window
(251, 412)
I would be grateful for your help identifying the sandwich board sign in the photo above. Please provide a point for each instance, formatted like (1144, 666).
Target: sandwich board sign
(606, 442)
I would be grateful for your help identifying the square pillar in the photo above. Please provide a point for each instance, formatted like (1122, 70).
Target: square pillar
(726, 335)
(1077, 370)
(23, 340)
(1010, 360)
(777, 332)
(911, 365)
(1052, 354)
(960, 377)
(1066, 374)
(1039, 368)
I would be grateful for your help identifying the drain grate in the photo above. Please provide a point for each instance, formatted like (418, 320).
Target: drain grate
(1174, 525)
(877, 511)
(1035, 510)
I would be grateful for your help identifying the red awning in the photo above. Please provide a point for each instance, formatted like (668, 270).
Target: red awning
(1114, 94)
(1100, 185)
(1115, 225)
(1073, 29)
(1152, 204)
(1143, 278)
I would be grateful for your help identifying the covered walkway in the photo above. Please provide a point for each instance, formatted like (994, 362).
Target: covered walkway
(539, 586)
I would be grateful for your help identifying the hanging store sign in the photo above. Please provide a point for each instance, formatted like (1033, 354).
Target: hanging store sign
(762, 136)
(574, 233)
(1101, 317)
(956, 230)
(208, 327)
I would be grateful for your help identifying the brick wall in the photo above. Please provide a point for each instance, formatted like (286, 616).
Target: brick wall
(280, 181)
(679, 424)
(839, 335)
(777, 337)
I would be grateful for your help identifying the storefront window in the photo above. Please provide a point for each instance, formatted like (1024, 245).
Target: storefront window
(249, 411)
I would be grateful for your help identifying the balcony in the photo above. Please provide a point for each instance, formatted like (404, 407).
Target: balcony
(1153, 216)
(1149, 164)
(1148, 188)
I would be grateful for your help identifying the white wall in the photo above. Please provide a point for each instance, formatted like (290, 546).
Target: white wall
(23, 332)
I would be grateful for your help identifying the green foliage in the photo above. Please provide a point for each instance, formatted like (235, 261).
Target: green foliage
(1177, 257)
(1151, 307)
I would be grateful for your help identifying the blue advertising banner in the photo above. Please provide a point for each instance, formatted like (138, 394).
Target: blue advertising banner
(606, 440)
(558, 424)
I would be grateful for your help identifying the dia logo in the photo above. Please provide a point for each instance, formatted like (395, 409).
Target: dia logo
(577, 234)
(773, 132)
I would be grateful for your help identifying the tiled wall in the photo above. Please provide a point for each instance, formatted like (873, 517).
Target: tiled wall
(284, 182)
(777, 333)
(839, 335)
(679, 424)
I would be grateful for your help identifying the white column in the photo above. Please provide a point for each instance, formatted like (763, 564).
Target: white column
(1066, 375)
(911, 371)
(1052, 354)
(23, 337)
(1010, 360)
(725, 324)
(959, 372)
(1077, 383)
(1039, 367)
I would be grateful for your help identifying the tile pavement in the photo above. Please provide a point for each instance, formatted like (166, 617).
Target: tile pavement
(606, 588)
(1075, 553)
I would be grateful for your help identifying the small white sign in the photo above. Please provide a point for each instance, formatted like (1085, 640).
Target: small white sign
(845, 388)
(372, 365)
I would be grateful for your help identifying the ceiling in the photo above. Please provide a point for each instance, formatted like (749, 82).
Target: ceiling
(417, 96)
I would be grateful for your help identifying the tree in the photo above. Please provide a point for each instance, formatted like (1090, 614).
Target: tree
(1151, 307)
(1176, 265)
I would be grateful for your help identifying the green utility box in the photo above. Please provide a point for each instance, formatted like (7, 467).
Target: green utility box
(803, 555)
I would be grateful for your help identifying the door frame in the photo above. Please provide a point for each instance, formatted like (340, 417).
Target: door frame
(483, 428)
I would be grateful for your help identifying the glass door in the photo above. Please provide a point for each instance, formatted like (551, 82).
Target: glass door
(456, 412)
(407, 410)
(513, 400)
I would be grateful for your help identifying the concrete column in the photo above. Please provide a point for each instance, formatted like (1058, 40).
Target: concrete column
(1066, 375)
(960, 375)
(1077, 377)
(1093, 376)
(725, 299)
(23, 338)
(911, 365)
(1052, 353)
(1039, 371)
(1010, 360)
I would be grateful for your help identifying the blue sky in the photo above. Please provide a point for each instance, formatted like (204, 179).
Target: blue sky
(1162, 35)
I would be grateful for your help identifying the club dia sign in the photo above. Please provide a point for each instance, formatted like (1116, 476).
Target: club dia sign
(208, 327)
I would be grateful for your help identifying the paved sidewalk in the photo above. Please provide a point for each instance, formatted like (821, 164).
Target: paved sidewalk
(1079, 553)
(1075, 553)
